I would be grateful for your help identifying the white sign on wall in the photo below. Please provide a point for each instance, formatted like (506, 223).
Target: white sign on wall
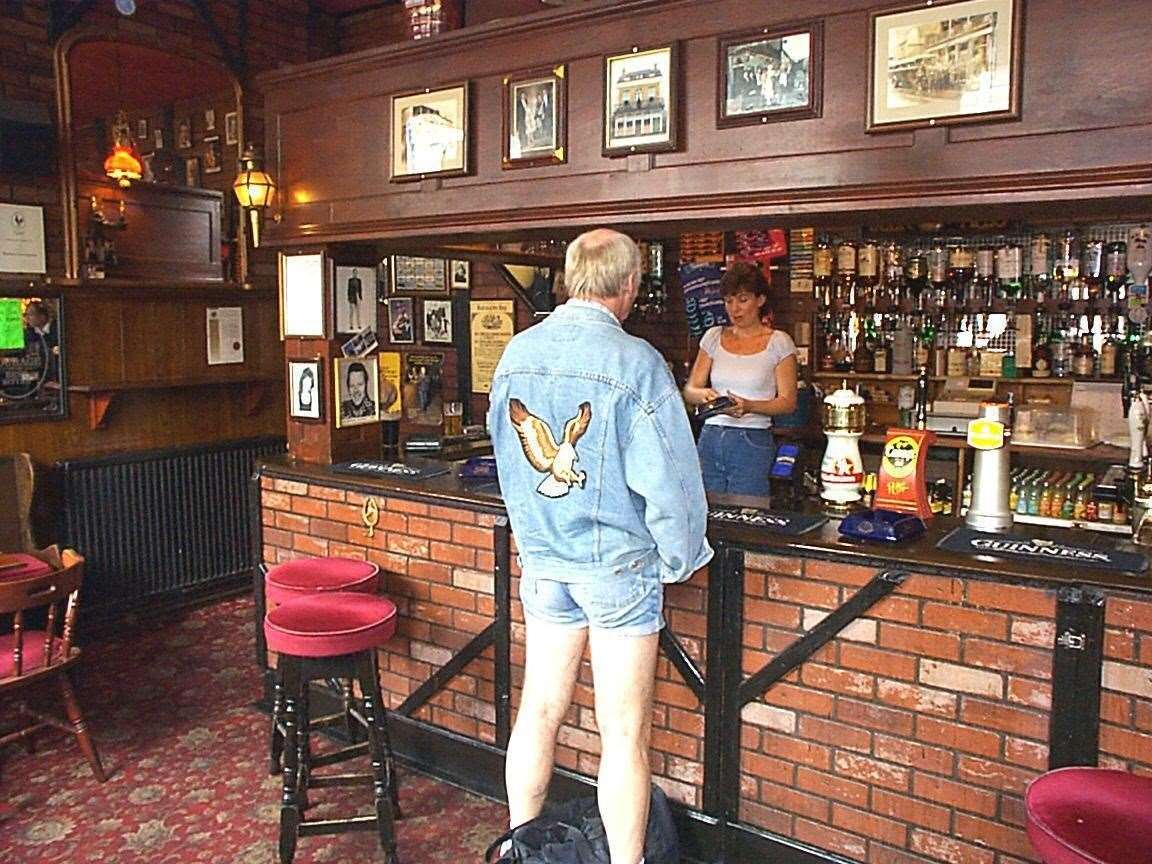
(22, 239)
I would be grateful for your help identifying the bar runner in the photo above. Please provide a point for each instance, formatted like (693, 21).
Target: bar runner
(389, 469)
(776, 522)
(969, 542)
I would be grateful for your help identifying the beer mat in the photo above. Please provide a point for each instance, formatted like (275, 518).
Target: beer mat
(776, 522)
(407, 471)
(968, 542)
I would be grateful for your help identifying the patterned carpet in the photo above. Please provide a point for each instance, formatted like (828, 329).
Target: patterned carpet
(186, 754)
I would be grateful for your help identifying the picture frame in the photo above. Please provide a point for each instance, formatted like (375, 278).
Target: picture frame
(357, 391)
(213, 162)
(437, 322)
(183, 133)
(142, 129)
(415, 275)
(641, 112)
(157, 138)
(306, 389)
(33, 376)
(460, 275)
(302, 306)
(209, 119)
(148, 174)
(910, 82)
(429, 133)
(535, 118)
(770, 75)
(354, 294)
(192, 172)
(401, 320)
(232, 127)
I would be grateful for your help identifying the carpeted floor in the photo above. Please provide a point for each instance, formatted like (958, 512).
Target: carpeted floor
(186, 753)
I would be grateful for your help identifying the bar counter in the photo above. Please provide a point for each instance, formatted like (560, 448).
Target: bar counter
(817, 699)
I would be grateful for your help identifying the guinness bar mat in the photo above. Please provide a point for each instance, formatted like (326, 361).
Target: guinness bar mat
(775, 522)
(410, 471)
(969, 542)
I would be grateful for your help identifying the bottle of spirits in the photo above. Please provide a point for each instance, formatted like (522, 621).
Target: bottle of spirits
(1109, 353)
(882, 356)
(1009, 263)
(925, 340)
(916, 276)
(902, 347)
(985, 285)
(867, 273)
(846, 273)
(1041, 352)
(1040, 280)
(893, 274)
(1066, 268)
(1092, 266)
(938, 270)
(1008, 361)
(822, 273)
(961, 271)
(1084, 357)
(864, 357)
(1060, 348)
(1116, 270)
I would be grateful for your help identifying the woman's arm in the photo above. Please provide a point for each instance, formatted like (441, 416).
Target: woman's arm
(697, 390)
(785, 403)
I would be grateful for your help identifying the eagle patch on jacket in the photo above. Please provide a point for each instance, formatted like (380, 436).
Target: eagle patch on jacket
(556, 461)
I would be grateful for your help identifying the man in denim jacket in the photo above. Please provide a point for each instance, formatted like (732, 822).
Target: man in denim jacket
(600, 476)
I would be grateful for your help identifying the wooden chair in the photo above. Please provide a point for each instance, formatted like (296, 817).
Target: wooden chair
(17, 479)
(31, 656)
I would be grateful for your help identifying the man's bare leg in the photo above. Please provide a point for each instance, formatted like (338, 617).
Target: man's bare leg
(624, 673)
(552, 661)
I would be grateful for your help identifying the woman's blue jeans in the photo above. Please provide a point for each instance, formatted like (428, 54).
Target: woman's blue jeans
(736, 461)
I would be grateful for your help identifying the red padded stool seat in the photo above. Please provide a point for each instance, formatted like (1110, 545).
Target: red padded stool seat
(304, 576)
(330, 624)
(1090, 816)
(22, 566)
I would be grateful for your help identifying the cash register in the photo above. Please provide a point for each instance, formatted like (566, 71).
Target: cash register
(959, 402)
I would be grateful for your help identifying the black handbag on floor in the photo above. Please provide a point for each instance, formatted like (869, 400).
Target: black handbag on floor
(573, 833)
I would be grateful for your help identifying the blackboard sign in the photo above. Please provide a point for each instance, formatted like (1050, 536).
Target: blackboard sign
(31, 359)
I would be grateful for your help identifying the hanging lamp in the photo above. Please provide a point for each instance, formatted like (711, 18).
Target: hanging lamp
(123, 163)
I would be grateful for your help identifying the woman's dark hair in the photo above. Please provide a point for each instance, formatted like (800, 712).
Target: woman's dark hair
(742, 276)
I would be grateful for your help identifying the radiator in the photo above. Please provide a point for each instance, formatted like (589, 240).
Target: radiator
(161, 523)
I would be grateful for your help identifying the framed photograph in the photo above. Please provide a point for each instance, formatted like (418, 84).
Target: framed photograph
(411, 275)
(355, 298)
(769, 75)
(213, 158)
(192, 172)
(33, 379)
(306, 390)
(422, 394)
(302, 295)
(357, 391)
(142, 130)
(183, 133)
(952, 62)
(232, 127)
(430, 134)
(157, 139)
(149, 173)
(209, 119)
(640, 101)
(535, 118)
(461, 274)
(438, 321)
(401, 320)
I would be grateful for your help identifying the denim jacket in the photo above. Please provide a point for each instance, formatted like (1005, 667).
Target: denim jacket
(596, 461)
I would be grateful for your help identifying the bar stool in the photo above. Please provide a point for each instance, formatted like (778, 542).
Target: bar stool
(1090, 816)
(333, 634)
(304, 577)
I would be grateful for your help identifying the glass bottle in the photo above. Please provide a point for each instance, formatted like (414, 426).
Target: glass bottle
(846, 272)
(961, 270)
(867, 272)
(1109, 353)
(864, 357)
(1115, 270)
(1008, 362)
(916, 276)
(822, 272)
(985, 285)
(1041, 352)
(1061, 349)
(1040, 280)
(1084, 357)
(938, 269)
(893, 274)
(1009, 266)
(1092, 266)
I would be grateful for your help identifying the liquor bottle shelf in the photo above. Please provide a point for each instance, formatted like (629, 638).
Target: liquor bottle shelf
(879, 376)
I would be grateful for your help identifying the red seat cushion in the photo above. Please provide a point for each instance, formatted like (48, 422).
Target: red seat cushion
(33, 651)
(305, 576)
(330, 624)
(1090, 816)
(27, 566)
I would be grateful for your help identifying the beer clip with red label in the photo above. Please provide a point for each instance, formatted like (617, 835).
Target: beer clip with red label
(902, 484)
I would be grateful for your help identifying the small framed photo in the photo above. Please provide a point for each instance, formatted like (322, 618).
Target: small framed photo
(461, 277)
(157, 139)
(209, 119)
(306, 390)
(149, 174)
(355, 298)
(232, 127)
(430, 134)
(142, 129)
(412, 275)
(769, 75)
(357, 391)
(302, 280)
(401, 320)
(213, 158)
(183, 133)
(535, 118)
(438, 321)
(192, 172)
(640, 101)
(951, 62)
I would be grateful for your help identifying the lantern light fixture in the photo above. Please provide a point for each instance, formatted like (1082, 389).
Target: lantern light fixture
(254, 189)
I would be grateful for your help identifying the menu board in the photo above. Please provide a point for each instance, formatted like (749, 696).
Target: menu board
(31, 359)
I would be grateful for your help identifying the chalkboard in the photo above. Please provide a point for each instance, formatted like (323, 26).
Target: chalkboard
(32, 385)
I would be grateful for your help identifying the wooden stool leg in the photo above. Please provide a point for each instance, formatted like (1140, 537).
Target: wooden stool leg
(303, 745)
(79, 727)
(289, 801)
(276, 737)
(378, 752)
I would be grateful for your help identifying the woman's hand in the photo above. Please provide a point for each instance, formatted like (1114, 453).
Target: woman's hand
(740, 406)
(708, 394)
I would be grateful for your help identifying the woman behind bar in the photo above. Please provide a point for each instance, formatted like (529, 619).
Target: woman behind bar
(754, 364)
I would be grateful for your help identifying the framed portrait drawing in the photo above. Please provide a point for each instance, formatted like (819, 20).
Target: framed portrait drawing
(952, 62)
(460, 274)
(401, 320)
(355, 295)
(641, 92)
(770, 74)
(357, 390)
(232, 127)
(209, 119)
(213, 158)
(142, 129)
(184, 133)
(438, 322)
(302, 295)
(192, 172)
(430, 134)
(535, 111)
(157, 139)
(306, 390)
(412, 275)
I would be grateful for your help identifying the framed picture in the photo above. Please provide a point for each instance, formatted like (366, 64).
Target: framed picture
(149, 174)
(535, 118)
(770, 74)
(422, 395)
(430, 134)
(302, 295)
(357, 391)
(33, 379)
(306, 390)
(952, 62)
(640, 96)
(355, 298)
(438, 321)
(157, 139)
(209, 119)
(183, 133)
(232, 127)
(213, 158)
(192, 172)
(401, 320)
(142, 130)
(418, 275)
(461, 274)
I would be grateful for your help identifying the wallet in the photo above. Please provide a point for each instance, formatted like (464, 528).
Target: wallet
(713, 407)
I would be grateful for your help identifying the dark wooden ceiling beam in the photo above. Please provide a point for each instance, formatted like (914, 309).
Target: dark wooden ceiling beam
(237, 63)
(63, 15)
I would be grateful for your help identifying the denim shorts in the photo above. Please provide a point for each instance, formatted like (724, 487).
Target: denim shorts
(628, 604)
(735, 460)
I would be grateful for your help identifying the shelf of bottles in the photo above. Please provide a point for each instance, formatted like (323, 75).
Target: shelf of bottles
(1063, 499)
(1052, 303)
